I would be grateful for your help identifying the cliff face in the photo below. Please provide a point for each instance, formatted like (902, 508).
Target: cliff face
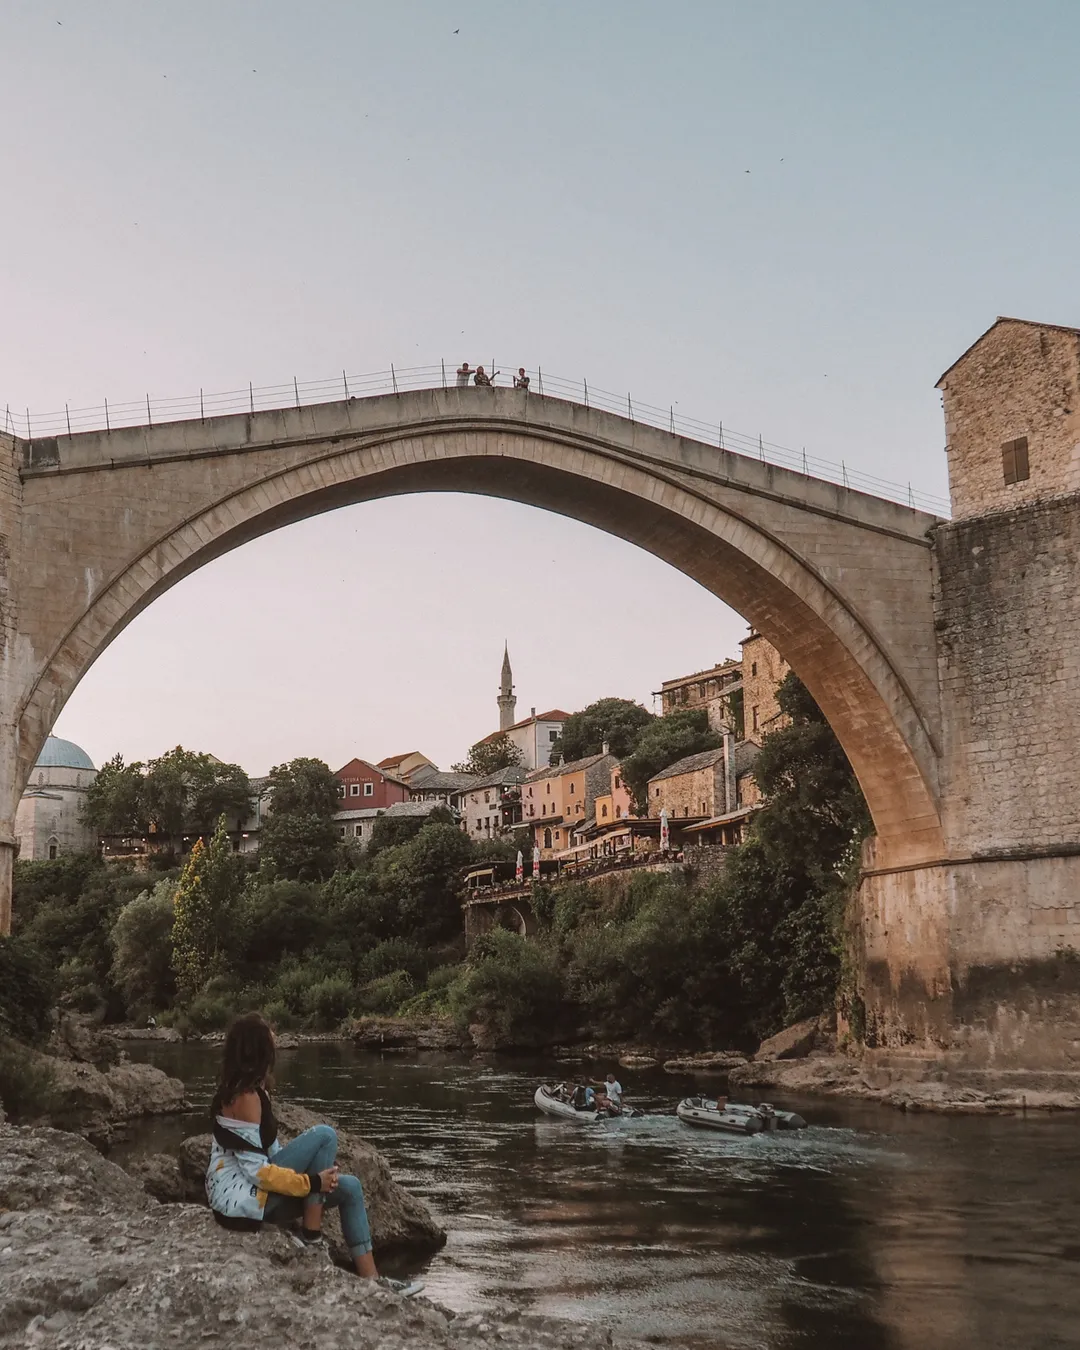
(88, 1260)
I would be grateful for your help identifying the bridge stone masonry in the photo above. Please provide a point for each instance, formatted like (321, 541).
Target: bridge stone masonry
(944, 654)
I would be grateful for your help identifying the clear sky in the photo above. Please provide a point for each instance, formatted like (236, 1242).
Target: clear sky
(787, 215)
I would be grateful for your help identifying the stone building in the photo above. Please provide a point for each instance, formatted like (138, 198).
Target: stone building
(48, 822)
(763, 668)
(738, 696)
(710, 689)
(707, 785)
(1012, 418)
(449, 789)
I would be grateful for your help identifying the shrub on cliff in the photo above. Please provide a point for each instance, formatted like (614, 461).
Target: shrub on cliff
(27, 990)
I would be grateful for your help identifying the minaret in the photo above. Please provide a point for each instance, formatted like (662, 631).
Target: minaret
(506, 700)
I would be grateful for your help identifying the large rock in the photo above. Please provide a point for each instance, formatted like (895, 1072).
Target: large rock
(794, 1042)
(88, 1261)
(161, 1177)
(399, 1221)
(91, 1102)
(407, 1033)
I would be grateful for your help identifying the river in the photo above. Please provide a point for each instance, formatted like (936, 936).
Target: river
(870, 1230)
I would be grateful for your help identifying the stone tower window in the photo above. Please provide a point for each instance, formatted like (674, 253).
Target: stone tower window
(1014, 460)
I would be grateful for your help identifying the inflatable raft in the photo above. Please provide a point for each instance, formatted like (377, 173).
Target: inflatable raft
(771, 1118)
(551, 1105)
(702, 1112)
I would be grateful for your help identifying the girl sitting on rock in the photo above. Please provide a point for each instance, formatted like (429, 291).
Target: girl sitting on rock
(252, 1177)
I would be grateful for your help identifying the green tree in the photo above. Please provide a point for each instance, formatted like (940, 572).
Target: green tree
(188, 790)
(206, 896)
(661, 743)
(490, 755)
(616, 722)
(300, 841)
(141, 940)
(115, 802)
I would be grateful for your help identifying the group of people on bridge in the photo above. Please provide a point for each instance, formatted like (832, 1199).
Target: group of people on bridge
(483, 380)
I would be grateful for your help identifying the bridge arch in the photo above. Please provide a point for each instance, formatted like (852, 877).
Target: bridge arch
(784, 580)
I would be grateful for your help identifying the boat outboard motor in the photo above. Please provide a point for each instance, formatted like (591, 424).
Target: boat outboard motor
(768, 1116)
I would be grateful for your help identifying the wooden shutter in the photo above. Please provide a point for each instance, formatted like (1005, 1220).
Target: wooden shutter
(1014, 460)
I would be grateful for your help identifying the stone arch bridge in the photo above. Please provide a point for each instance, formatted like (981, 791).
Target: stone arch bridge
(96, 525)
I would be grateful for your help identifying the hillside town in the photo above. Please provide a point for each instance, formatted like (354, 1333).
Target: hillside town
(562, 813)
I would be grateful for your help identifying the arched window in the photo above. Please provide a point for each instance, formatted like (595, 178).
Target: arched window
(54, 847)
(547, 838)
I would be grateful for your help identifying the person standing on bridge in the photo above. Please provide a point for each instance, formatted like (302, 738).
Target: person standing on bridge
(521, 380)
(463, 374)
(481, 380)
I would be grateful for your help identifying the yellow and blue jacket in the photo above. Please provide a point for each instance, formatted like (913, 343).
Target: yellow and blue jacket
(241, 1175)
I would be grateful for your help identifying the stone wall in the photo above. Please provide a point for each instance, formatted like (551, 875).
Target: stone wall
(14, 667)
(1008, 621)
(1019, 379)
(762, 670)
(699, 793)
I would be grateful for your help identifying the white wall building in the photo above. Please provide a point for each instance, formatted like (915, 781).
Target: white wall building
(48, 821)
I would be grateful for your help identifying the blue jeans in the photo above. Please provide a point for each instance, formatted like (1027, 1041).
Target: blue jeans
(314, 1151)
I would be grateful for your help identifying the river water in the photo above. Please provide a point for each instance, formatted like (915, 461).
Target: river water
(870, 1230)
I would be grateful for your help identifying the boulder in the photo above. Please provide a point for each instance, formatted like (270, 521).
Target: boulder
(80, 1039)
(794, 1042)
(638, 1061)
(91, 1102)
(399, 1221)
(88, 1260)
(161, 1177)
(168, 1034)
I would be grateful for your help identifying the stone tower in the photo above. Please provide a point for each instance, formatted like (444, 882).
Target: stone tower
(506, 700)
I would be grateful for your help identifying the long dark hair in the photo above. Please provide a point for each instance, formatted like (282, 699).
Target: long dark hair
(247, 1061)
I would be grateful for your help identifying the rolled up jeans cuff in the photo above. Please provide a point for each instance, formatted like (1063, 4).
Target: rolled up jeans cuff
(361, 1249)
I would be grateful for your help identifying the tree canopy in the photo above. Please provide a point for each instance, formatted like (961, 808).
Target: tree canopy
(180, 792)
(490, 755)
(616, 722)
(299, 840)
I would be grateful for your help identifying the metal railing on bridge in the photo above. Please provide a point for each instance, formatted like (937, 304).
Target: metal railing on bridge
(148, 411)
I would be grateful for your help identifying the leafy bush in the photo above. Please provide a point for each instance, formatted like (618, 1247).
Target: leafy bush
(393, 955)
(26, 990)
(212, 1012)
(27, 1089)
(385, 994)
(327, 1002)
(513, 986)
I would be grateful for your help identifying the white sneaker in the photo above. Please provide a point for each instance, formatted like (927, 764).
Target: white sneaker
(405, 1288)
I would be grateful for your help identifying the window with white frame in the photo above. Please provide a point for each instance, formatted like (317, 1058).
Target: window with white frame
(354, 789)
(369, 789)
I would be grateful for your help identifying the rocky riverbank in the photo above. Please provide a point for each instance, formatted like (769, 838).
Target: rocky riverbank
(89, 1261)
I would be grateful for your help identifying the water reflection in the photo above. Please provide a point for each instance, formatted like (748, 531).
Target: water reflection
(869, 1231)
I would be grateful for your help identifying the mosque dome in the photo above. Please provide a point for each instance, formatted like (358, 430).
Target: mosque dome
(59, 754)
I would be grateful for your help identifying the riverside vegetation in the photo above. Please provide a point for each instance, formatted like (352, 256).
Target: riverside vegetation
(313, 934)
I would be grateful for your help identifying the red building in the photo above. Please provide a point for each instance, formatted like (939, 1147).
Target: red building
(363, 784)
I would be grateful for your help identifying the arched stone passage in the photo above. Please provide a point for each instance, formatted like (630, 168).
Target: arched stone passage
(822, 636)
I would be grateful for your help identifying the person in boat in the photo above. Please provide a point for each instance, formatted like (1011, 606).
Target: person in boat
(720, 1104)
(610, 1095)
(252, 1177)
(584, 1098)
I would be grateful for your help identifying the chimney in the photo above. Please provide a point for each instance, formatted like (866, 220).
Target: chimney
(532, 712)
(605, 749)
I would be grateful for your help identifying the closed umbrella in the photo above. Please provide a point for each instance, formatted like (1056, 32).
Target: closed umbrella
(536, 864)
(665, 833)
(519, 870)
